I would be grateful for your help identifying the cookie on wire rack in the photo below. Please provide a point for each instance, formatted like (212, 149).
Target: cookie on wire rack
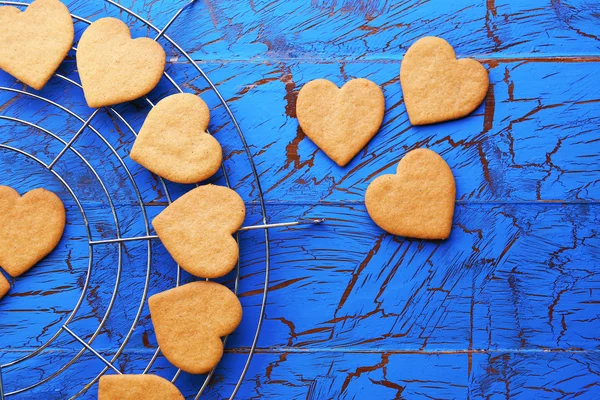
(190, 320)
(30, 228)
(34, 42)
(174, 142)
(137, 387)
(114, 68)
(197, 230)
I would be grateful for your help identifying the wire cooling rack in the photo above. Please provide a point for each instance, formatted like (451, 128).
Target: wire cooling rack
(70, 147)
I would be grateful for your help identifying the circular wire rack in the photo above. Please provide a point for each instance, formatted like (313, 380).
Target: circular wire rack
(118, 243)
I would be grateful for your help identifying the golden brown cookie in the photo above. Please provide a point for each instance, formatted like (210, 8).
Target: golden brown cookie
(4, 286)
(33, 43)
(30, 228)
(438, 87)
(137, 387)
(115, 68)
(196, 230)
(416, 202)
(173, 142)
(340, 121)
(189, 322)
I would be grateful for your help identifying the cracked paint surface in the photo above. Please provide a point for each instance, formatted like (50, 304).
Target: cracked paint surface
(507, 307)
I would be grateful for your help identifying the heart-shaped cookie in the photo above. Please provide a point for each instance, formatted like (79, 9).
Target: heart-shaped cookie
(30, 228)
(33, 43)
(196, 230)
(137, 387)
(416, 202)
(438, 87)
(340, 121)
(115, 68)
(173, 142)
(4, 286)
(189, 322)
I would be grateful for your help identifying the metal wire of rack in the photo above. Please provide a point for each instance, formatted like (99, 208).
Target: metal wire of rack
(86, 123)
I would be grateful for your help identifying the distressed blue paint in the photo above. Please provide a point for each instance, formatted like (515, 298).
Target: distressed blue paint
(377, 29)
(507, 307)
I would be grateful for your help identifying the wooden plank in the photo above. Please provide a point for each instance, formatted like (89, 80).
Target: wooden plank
(540, 28)
(299, 375)
(508, 306)
(509, 277)
(385, 375)
(373, 30)
(534, 139)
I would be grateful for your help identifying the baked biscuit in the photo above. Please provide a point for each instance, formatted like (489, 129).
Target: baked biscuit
(438, 87)
(173, 142)
(190, 320)
(418, 201)
(4, 286)
(340, 121)
(137, 387)
(30, 228)
(34, 42)
(197, 230)
(114, 68)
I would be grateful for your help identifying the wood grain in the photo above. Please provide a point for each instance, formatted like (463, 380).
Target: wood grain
(507, 307)
(369, 30)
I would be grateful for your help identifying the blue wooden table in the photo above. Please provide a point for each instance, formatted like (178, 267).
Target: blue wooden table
(507, 307)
